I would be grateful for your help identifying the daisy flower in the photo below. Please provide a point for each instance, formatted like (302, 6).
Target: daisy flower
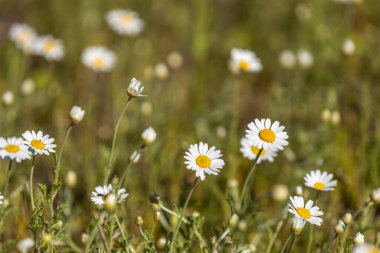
(25, 245)
(1, 198)
(359, 238)
(244, 60)
(23, 36)
(49, 47)
(13, 148)
(320, 181)
(250, 151)
(297, 225)
(266, 135)
(101, 193)
(76, 114)
(148, 136)
(375, 196)
(307, 212)
(135, 89)
(98, 58)
(38, 143)
(203, 160)
(124, 22)
(365, 248)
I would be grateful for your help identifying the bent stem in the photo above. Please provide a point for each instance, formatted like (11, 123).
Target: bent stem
(127, 169)
(181, 215)
(110, 161)
(58, 166)
(31, 183)
(277, 231)
(247, 183)
(287, 243)
(9, 174)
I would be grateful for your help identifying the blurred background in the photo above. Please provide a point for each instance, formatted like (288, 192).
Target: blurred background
(320, 80)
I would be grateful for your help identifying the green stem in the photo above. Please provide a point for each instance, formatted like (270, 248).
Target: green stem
(311, 233)
(277, 231)
(110, 161)
(181, 215)
(126, 171)
(110, 239)
(291, 244)
(287, 243)
(122, 233)
(9, 174)
(58, 165)
(31, 183)
(248, 182)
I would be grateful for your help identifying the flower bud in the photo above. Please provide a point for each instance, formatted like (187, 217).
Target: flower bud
(280, 192)
(47, 238)
(298, 225)
(135, 156)
(339, 228)
(347, 218)
(71, 179)
(348, 47)
(174, 60)
(359, 238)
(375, 196)
(234, 219)
(287, 59)
(85, 237)
(299, 190)
(25, 245)
(8, 98)
(326, 115)
(76, 114)
(161, 243)
(335, 118)
(161, 71)
(139, 221)
(149, 136)
(27, 87)
(157, 216)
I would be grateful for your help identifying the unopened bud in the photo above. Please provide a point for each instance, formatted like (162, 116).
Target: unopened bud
(71, 179)
(339, 228)
(234, 219)
(359, 238)
(347, 218)
(157, 216)
(139, 221)
(8, 98)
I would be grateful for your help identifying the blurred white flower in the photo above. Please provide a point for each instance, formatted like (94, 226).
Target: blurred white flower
(23, 36)
(244, 60)
(161, 71)
(38, 143)
(71, 179)
(135, 88)
(348, 1)
(339, 228)
(307, 212)
(326, 115)
(135, 156)
(13, 148)
(299, 190)
(365, 248)
(221, 132)
(280, 192)
(287, 59)
(27, 87)
(266, 135)
(348, 47)
(1, 198)
(175, 60)
(124, 22)
(50, 48)
(203, 160)
(335, 118)
(98, 58)
(25, 245)
(76, 114)
(320, 181)
(7, 98)
(149, 136)
(110, 202)
(375, 196)
(250, 150)
(99, 196)
(305, 58)
(297, 225)
(359, 238)
(347, 218)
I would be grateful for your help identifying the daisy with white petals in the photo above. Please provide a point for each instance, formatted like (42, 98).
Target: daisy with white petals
(100, 195)
(76, 114)
(307, 212)
(250, 150)
(204, 160)
(244, 60)
(38, 143)
(266, 135)
(13, 148)
(98, 58)
(135, 88)
(50, 48)
(124, 22)
(320, 181)
(365, 248)
(23, 36)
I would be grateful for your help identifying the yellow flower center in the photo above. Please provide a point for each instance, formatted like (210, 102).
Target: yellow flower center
(256, 150)
(12, 148)
(267, 135)
(319, 186)
(126, 19)
(303, 212)
(49, 45)
(244, 65)
(99, 62)
(203, 161)
(37, 144)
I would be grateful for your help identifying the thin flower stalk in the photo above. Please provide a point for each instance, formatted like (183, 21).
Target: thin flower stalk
(8, 177)
(31, 183)
(248, 180)
(111, 158)
(181, 216)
